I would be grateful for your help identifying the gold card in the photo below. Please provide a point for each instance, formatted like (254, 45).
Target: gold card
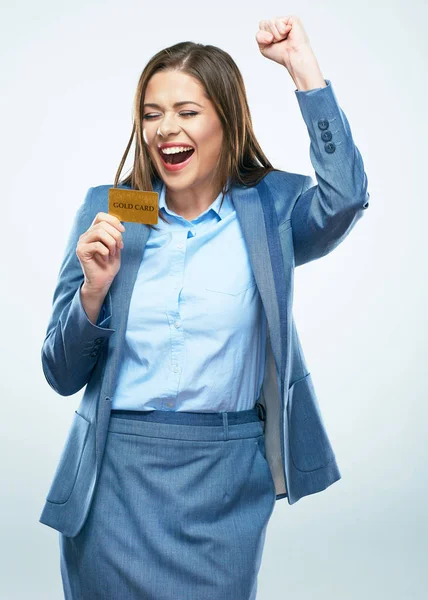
(135, 206)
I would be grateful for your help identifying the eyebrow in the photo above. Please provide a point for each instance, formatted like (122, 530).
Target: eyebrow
(176, 104)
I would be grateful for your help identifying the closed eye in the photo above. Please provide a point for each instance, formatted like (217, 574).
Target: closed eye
(189, 113)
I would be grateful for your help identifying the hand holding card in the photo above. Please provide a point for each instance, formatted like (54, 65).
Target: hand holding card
(98, 251)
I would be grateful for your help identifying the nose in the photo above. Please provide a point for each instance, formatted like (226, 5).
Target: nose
(168, 126)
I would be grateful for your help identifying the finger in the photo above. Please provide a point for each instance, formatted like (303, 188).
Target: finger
(111, 229)
(273, 29)
(282, 25)
(264, 26)
(105, 233)
(103, 216)
(91, 250)
(113, 232)
(264, 38)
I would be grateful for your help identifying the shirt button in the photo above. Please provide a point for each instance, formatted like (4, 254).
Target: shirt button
(177, 324)
(176, 369)
(180, 245)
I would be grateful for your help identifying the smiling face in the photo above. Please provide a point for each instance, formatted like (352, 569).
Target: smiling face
(193, 123)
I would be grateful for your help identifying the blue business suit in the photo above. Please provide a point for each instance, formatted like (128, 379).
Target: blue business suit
(286, 222)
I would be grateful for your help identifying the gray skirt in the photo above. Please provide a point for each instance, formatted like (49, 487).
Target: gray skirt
(180, 510)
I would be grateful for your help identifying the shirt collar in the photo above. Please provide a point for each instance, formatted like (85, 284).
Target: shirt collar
(226, 208)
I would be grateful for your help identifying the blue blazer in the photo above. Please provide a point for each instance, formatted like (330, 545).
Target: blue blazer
(286, 221)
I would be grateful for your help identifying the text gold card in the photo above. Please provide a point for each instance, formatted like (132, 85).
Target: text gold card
(135, 206)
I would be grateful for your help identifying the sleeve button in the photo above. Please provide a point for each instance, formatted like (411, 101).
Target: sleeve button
(326, 136)
(323, 124)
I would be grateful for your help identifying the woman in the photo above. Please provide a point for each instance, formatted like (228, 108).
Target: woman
(163, 490)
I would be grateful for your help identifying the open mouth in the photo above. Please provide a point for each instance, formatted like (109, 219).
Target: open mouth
(177, 157)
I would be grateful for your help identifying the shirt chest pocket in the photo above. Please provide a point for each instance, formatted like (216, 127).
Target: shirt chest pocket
(232, 274)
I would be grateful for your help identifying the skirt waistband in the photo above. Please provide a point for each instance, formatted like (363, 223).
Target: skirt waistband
(189, 425)
(189, 418)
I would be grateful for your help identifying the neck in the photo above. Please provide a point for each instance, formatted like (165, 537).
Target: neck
(191, 202)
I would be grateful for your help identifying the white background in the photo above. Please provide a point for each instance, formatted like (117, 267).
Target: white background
(68, 76)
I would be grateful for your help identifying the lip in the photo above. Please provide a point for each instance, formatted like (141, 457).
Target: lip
(178, 166)
(173, 145)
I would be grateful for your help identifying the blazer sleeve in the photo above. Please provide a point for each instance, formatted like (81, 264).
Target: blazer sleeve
(73, 343)
(324, 214)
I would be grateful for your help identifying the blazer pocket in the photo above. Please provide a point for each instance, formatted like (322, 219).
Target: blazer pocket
(310, 447)
(69, 462)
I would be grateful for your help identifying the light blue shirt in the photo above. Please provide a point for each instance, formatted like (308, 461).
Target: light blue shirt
(196, 330)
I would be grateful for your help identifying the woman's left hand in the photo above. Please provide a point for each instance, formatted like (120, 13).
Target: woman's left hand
(282, 38)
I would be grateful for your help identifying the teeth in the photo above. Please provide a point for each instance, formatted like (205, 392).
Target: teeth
(175, 149)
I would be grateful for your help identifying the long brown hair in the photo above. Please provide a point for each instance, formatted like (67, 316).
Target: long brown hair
(241, 159)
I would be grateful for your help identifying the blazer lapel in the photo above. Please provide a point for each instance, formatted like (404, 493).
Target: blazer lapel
(135, 238)
(256, 213)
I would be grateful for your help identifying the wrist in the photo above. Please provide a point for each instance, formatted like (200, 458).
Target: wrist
(92, 292)
(92, 301)
(305, 71)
